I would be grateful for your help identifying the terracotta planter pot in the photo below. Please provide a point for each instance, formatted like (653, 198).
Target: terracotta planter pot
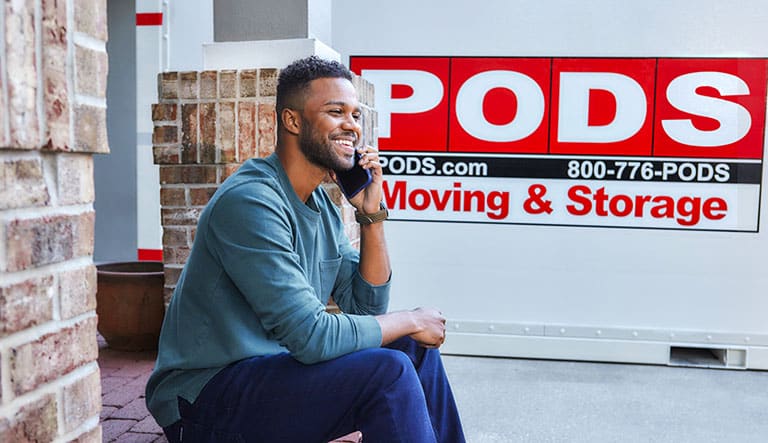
(129, 303)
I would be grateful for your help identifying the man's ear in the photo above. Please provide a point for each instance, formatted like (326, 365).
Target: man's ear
(291, 121)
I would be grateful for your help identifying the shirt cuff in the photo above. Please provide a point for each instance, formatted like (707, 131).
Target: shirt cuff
(374, 297)
(369, 331)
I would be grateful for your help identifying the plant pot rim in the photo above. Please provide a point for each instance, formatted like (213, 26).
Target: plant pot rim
(102, 268)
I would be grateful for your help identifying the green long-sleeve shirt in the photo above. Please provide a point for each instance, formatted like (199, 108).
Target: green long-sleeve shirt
(257, 280)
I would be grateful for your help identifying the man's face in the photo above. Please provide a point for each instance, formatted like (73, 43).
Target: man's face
(330, 128)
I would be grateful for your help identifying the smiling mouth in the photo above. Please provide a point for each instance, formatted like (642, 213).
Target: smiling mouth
(347, 144)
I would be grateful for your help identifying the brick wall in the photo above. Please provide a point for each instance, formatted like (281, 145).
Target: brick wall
(206, 124)
(53, 68)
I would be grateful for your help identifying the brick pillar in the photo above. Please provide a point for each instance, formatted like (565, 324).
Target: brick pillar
(53, 68)
(206, 124)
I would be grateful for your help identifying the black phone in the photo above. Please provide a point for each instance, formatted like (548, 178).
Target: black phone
(353, 180)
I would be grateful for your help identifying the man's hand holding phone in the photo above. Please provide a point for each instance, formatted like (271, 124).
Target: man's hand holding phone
(374, 261)
(362, 184)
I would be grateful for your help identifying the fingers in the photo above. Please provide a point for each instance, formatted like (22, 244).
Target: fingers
(435, 345)
(368, 201)
(442, 339)
(443, 328)
(442, 320)
(436, 337)
(369, 157)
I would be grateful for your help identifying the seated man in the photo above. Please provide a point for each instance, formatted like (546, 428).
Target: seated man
(248, 351)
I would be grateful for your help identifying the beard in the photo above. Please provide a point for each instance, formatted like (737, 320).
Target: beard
(321, 151)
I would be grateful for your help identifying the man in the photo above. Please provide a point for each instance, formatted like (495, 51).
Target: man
(248, 351)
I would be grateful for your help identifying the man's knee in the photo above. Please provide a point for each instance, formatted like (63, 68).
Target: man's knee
(390, 360)
(389, 366)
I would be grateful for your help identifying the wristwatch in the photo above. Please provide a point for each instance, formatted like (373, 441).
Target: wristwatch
(375, 217)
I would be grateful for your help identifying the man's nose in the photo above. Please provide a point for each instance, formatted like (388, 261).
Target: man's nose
(352, 124)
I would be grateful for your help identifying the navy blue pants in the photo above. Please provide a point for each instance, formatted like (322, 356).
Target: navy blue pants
(397, 393)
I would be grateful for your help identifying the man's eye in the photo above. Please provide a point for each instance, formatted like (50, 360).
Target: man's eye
(336, 111)
(356, 116)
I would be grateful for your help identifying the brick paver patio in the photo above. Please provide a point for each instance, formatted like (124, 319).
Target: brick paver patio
(124, 418)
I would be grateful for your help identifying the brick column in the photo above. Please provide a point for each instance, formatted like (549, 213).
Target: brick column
(206, 124)
(53, 68)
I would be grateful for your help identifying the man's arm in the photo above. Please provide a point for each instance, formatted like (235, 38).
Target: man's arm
(426, 326)
(374, 259)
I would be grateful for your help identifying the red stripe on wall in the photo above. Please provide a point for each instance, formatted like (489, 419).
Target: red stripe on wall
(150, 255)
(149, 18)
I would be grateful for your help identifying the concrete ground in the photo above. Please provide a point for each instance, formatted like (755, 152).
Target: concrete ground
(511, 400)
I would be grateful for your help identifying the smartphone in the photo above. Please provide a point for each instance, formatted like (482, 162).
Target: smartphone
(354, 180)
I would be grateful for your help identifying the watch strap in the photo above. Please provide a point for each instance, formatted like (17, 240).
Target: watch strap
(375, 217)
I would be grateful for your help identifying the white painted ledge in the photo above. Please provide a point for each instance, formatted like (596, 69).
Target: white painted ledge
(263, 54)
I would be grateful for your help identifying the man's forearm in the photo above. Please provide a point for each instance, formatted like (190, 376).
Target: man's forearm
(396, 324)
(374, 259)
(425, 325)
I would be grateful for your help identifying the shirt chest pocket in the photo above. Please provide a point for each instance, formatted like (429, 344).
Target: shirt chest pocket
(329, 270)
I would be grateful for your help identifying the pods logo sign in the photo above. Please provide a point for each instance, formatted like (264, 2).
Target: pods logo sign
(664, 107)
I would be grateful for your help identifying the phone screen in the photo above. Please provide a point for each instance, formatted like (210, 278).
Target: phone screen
(354, 180)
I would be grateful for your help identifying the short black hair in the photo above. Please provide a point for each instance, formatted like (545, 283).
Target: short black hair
(294, 79)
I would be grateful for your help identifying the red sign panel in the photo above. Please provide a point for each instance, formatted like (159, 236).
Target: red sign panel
(410, 99)
(695, 108)
(499, 105)
(710, 108)
(603, 106)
